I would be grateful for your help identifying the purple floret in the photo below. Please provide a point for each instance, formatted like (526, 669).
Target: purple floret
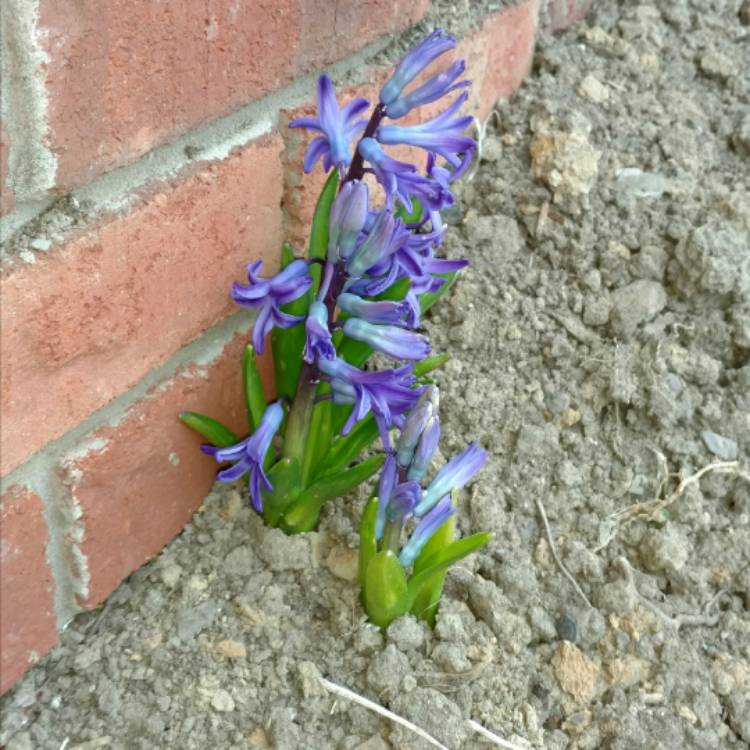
(269, 294)
(249, 454)
(338, 127)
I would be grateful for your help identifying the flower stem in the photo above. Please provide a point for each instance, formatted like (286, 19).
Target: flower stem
(298, 424)
(357, 167)
(392, 536)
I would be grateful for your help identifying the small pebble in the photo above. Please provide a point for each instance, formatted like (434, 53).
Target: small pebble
(567, 629)
(221, 701)
(723, 447)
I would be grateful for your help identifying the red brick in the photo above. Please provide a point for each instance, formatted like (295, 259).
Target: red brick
(127, 75)
(27, 612)
(498, 56)
(563, 13)
(94, 315)
(143, 479)
(7, 199)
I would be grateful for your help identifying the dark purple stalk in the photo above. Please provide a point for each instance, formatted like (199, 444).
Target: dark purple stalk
(357, 167)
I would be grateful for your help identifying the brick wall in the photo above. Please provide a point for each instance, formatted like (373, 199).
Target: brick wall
(143, 161)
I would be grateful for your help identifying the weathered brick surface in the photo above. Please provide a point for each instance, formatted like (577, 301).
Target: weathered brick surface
(138, 483)
(94, 315)
(498, 57)
(500, 53)
(7, 199)
(27, 615)
(124, 76)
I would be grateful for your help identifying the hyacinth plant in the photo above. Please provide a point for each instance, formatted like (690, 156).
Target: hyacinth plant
(370, 273)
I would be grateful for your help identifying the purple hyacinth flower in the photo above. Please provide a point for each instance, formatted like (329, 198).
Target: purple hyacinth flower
(268, 294)
(400, 179)
(346, 220)
(337, 126)
(441, 135)
(385, 237)
(404, 499)
(388, 394)
(425, 451)
(429, 524)
(386, 486)
(437, 87)
(391, 340)
(414, 62)
(318, 342)
(249, 455)
(416, 422)
(384, 311)
(456, 473)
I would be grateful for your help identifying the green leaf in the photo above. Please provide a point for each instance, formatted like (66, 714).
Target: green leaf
(443, 559)
(430, 364)
(318, 439)
(368, 545)
(385, 590)
(409, 217)
(395, 292)
(303, 513)
(354, 352)
(255, 399)
(427, 599)
(427, 300)
(284, 476)
(215, 432)
(346, 448)
(319, 232)
(288, 343)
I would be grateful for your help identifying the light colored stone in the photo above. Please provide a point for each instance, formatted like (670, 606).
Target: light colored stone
(231, 649)
(592, 88)
(342, 562)
(575, 672)
(221, 701)
(636, 303)
(628, 671)
(170, 575)
(723, 447)
(565, 160)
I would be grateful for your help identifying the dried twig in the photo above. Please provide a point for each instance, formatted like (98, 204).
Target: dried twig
(499, 741)
(676, 621)
(367, 703)
(648, 509)
(563, 569)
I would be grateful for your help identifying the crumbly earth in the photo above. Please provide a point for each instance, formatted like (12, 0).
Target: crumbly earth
(600, 345)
